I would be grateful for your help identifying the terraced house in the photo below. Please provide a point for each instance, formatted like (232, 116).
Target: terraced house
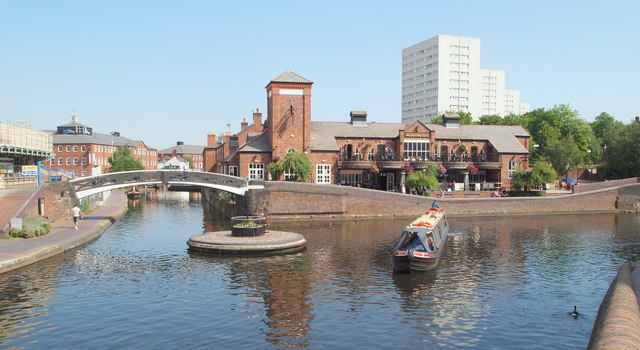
(357, 152)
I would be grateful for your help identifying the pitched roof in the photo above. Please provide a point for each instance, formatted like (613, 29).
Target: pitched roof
(259, 143)
(503, 138)
(291, 77)
(183, 149)
(96, 138)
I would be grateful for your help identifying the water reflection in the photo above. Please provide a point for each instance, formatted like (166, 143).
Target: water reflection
(505, 282)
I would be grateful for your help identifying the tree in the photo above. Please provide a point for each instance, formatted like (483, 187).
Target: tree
(190, 161)
(541, 174)
(603, 123)
(427, 178)
(563, 154)
(122, 160)
(465, 118)
(491, 120)
(295, 163)
(622, 156)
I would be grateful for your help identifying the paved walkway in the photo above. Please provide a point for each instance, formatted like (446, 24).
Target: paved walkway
(16, 253)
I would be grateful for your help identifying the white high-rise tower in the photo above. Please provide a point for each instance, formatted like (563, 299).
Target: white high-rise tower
(443, 74)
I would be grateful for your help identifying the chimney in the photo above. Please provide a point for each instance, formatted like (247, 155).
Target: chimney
(180, 143)
(257, 117)
(244, 124)
(226, 137)
(211, 139)
(174, 152)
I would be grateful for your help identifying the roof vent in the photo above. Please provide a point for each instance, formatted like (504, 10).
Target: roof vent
(358, 117)
(451, 120)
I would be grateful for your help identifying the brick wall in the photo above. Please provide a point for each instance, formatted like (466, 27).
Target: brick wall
(280, 199)
(59, 198)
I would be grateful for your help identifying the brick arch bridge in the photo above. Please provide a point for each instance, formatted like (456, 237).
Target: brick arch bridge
(87, 186)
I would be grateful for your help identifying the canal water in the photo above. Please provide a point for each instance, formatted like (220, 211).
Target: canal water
(504, 283)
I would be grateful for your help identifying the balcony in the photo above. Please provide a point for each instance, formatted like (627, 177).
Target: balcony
(355, 161)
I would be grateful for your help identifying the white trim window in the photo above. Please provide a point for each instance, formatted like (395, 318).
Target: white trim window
(513, 166)
(256, 171)
(416, 149)
(233, 170)
(323, 173)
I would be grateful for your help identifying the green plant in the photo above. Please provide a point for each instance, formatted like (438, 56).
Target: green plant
(462, 148)
(248, 224)
(31, 227)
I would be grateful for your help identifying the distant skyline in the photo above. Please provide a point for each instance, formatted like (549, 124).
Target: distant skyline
(168, 71)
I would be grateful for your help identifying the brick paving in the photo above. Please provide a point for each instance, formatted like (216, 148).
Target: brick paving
(16, 253)
(10, 202)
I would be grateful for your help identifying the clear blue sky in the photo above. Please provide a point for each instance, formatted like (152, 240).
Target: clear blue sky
(164, 71)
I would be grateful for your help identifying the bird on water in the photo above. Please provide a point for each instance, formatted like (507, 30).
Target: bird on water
(575, 313)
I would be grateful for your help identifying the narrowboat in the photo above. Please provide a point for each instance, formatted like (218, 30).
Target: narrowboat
(422, 243)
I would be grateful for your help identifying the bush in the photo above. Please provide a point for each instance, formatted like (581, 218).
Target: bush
(31, 227)
(526, 194)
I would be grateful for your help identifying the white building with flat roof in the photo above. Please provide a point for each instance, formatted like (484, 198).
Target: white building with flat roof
(443, 74)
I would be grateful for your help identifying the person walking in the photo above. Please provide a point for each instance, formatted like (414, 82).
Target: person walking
(77, 215)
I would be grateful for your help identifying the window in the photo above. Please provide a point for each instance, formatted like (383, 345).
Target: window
(83, 148)
(75, 160)
(52, 161)
(372, 154)
(290, 176)
(59, 148)
(84, 173)
(256, 171)
(59, 160)
(350, 179)
(233, 170)
(513, 166)
(323, 174)
(68, 160)
(75, 148)
(68, 148)
(83, 161)
(418, 149)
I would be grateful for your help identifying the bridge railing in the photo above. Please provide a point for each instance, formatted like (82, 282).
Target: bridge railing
(87, 185)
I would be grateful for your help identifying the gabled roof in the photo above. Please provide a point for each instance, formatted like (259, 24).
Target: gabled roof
(291, 77)
(503, 138)
(96, 138)
(257, 144)
(323, 134)
(183, 149)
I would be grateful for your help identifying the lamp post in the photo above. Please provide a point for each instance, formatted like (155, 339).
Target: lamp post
(589, 160)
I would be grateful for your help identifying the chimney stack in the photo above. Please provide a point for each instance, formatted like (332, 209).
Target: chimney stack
(211, 139)
(257, 117)
(244, 124)
(180, 143)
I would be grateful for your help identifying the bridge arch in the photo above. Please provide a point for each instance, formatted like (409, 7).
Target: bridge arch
(86, 186)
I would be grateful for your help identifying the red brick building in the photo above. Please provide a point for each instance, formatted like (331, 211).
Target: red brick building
(368, 154)
(77, 148)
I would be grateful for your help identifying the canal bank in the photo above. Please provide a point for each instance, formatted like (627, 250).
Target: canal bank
(17, 253)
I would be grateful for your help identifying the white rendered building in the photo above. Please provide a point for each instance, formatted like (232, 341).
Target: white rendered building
(443, 74)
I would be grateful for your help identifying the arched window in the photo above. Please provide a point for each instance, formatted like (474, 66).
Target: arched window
(372, 154)
(357, 155)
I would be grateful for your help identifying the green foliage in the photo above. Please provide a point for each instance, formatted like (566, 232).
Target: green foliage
(564, 155)
(31, 227)
(491, 120)
(293, 163)
(622, 156)
(541, 174)
(421, 179)
(603, 124)
(462, 148)
(123, 160)
(526, 194)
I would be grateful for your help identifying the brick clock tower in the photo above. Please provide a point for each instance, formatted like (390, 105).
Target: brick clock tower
(289, 113)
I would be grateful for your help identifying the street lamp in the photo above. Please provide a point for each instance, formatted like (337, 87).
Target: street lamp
(589, 160)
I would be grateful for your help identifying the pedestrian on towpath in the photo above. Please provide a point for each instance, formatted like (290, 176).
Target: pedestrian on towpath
(77, 215)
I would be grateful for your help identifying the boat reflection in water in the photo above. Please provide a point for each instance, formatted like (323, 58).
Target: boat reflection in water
(422, 243)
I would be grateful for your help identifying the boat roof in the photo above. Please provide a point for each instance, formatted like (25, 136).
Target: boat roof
(428, 219)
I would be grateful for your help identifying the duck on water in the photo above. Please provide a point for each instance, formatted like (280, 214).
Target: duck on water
(422, 242)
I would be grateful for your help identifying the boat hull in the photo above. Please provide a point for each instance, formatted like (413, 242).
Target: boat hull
(422, 243)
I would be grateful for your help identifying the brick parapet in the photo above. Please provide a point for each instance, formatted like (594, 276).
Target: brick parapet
(283, 199)
(585, 187)
(617, 325)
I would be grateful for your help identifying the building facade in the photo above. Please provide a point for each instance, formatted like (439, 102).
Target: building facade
(22, 145)
(78, 149)
(356, 152)
(443, 74)
(191, 153)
